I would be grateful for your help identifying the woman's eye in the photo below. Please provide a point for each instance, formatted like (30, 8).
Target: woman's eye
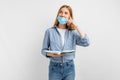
(66, 12)
(60, 12)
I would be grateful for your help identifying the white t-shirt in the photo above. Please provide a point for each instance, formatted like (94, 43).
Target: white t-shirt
(62, 33)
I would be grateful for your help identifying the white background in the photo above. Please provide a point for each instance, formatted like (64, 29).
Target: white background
(22, 27)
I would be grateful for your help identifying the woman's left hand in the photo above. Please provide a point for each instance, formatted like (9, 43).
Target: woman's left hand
(71, 22)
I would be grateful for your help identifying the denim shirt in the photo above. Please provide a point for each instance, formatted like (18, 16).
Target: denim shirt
(52, 41)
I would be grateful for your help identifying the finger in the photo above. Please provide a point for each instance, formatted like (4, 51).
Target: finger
(55, 54)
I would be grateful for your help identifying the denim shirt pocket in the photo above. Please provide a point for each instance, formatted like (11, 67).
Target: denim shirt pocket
(69, 43)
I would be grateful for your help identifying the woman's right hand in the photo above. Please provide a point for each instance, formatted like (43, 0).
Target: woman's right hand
(54, 54)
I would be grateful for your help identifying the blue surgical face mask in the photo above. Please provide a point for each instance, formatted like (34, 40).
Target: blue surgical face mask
(62, 20)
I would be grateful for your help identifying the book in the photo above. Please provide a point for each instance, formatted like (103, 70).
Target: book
(60, 52)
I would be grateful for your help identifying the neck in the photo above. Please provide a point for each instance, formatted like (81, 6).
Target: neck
(62, 26)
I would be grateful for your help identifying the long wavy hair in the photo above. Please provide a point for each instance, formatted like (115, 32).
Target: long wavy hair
(71, 27)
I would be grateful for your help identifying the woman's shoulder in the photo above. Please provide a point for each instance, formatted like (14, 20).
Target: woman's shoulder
(73, 31)
(50, 29)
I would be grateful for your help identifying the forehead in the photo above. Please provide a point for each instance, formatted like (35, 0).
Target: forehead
(64, 9)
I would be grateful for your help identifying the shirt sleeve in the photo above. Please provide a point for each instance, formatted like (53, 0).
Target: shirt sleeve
(46, 43)
(81, 41)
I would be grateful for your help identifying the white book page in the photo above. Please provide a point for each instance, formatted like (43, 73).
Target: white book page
(66, 51)
(58, 52)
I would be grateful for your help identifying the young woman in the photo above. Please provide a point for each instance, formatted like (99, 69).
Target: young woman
(63, 36)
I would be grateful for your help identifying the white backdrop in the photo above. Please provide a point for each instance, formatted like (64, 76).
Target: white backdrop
(22, 26)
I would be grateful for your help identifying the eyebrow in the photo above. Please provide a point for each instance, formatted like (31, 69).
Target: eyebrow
(62, 11)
